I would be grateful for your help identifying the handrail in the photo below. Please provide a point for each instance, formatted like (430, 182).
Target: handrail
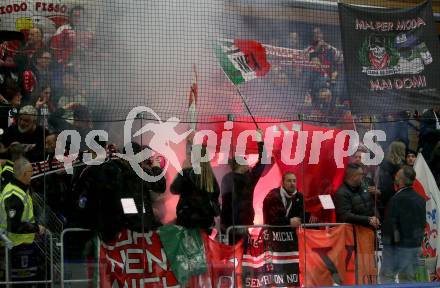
(306, 225)
(8, 282)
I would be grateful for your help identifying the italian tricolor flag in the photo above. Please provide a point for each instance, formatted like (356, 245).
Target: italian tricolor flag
(242, 60)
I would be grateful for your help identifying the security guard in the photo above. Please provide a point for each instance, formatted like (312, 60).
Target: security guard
(16, 209)
(15, 151)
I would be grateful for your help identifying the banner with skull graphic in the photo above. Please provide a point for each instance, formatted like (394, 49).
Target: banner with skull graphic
(391, 58)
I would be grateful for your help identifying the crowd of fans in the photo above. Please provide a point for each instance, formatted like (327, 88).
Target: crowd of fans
(41, 96)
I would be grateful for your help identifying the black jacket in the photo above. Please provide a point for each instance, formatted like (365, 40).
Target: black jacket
(429, 135)
(353, 205)
(99, 190)
(387, 172)
(405, 219)
(238, 194)
(196, 208)
(274, 212)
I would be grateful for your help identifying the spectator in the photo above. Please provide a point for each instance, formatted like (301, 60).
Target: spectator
(429, 131)
(44, 104)
(368, 185)
(28, 133)
(434, 163)
(81, 122)
(352, 205)
(329, 57)
(394, 159)
(50, 146)
(55, 186)
(71, 91)
(41, 73)
(323, 102)
(9, 70)
(198, 203)
(24, 54)
(410, 157)
(72, 36)
(17, 208)
(403, 230)
(97, 192)
(33, 43)
(141, 192)
(10, 99)
(284, 205)
(237, 191)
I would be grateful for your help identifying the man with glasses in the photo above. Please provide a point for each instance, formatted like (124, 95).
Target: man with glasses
(16, 208)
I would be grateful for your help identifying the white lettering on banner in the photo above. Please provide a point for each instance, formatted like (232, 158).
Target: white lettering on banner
(283, 236)
(132, 260)
(146, 236)
(141, 263)
(114, 263)
(414, 82)
(153, 259)
(132, 238)
(271, 279)
(385, 26)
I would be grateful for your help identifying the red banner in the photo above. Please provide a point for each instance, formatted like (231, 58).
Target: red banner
(327, 257)
(271, 259)
(342, 255)
(224, 265)
(311, 157)
(138, 260)
(135, 260)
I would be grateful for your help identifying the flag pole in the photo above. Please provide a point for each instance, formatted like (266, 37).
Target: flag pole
(247, 107)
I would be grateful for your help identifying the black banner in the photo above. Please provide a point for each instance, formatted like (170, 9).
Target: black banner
(271, 259)
(391, 58)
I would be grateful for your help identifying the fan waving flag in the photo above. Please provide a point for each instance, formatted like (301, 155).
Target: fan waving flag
(242, 60)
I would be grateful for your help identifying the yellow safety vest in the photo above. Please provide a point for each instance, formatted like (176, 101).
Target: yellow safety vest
(8, 166)
(27, 216)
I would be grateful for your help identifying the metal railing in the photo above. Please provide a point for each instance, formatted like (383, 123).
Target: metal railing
(61, 246)
(8, 246)
(307, 225)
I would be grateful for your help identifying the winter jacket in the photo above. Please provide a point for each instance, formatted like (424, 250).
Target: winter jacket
(274, 212)
(238, 195)
(196, 208)
(387, 172)
(405, 219)
(353, 205)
